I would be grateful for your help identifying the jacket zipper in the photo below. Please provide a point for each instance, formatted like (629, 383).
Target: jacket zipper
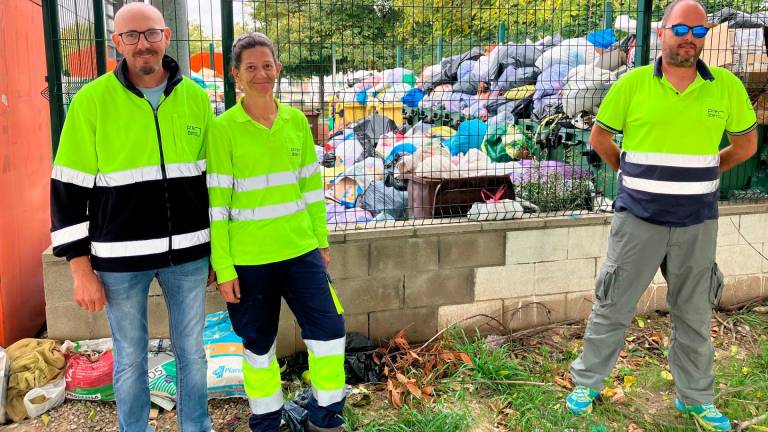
(165, 180)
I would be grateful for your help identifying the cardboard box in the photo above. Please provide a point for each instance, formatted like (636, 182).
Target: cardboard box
(718, 46)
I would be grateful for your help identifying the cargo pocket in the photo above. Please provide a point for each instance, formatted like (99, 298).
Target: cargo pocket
(336, 302)
(605, 285)
(715, 286)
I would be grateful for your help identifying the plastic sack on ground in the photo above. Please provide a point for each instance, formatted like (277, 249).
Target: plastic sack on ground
(224, 351)
(89, 376)
(573, 52)
(40, 400)
(5, 364)
(338, 214)
(161, 374)
(602, 38)
(464, 82)
(551, 80)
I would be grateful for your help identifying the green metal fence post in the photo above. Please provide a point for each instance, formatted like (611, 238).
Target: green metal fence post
(212, 56)
(439, 48)
(608, 14)
(227, 37)
(399, 56)
(53, 70)
(502, 33)
(642, 46)
(100, 37)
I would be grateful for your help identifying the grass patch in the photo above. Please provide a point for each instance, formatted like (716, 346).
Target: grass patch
(429, 418)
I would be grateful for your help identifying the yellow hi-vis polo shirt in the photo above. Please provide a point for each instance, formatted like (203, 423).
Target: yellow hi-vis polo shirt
(670, 161)
(265, 190)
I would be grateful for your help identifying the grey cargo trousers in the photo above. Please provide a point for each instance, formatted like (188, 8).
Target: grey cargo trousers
(636, 250)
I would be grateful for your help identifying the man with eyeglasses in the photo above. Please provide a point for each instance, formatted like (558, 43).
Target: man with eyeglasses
(672, 115)
(129, 204)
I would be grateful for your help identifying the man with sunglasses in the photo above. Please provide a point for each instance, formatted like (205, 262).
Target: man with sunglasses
(672, 115)
(129, 204)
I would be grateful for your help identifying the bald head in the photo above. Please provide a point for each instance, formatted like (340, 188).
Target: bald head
(688, 8)
(142, 38)
(138, 16)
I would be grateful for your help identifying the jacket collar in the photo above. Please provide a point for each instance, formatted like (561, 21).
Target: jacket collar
(169, 64)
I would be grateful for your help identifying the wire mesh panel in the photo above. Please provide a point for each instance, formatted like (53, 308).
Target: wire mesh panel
(438, 111)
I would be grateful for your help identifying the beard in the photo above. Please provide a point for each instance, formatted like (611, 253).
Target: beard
(147, 69)
(673, 58)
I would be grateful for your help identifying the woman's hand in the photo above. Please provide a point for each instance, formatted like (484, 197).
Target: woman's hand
(326, 254)
(230, 291)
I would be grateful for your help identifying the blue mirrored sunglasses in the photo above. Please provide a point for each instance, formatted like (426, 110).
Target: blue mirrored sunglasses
(681, 30)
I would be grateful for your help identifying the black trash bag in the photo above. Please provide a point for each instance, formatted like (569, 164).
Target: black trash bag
(294, 416)
(369, 130)
(378, 198)
(358, 360)
(329, 159)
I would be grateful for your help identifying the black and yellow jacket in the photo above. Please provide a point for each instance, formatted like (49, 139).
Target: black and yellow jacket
(128, 183)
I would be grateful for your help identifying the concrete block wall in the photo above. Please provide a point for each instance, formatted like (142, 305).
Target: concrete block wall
(523, 273)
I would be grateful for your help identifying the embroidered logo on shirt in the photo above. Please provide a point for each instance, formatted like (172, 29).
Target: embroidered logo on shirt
(714, 113)
(193, 130)
(295, 151)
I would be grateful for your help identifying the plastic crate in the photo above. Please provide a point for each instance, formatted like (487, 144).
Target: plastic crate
(437, 198)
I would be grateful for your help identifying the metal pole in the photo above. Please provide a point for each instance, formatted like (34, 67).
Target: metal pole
(439, 48)
(333, 64)
(502, 33)
(53, 70)
(399, 56)
(212, 56)
(642, 46)
(100, 36)
(608, 14)
(227, 37)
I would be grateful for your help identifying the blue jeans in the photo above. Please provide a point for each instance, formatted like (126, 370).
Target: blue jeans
(184, 291)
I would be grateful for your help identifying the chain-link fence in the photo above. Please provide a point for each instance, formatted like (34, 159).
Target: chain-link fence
(435, 111)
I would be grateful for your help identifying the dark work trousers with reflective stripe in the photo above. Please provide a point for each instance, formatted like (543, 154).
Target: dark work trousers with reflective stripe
(636, 250)
(304, 283)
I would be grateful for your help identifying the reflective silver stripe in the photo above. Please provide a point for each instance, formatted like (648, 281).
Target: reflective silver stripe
(218, 213)
(178, 170)
(268, 404)
(669, 187)
(673, 160)
(260, 361)
(220, 180)
(149, 173)
(148, 247)
(69, 234)
(129, 248)
(120, 178)
(326, 348)
(182, 241)
(314, 196)
(267, 212)
(265, 181)
(309, 170)
(328, 397)
(73, 176)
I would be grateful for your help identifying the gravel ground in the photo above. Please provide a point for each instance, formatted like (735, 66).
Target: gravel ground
(228, 415)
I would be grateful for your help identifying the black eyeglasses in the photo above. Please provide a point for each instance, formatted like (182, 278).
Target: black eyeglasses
(151, 35)
(681, 30)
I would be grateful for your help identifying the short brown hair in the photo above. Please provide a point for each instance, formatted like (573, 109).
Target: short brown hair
(247, 41)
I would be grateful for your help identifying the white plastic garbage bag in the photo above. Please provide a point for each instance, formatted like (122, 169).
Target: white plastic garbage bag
(573, 52)
(42, 399)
